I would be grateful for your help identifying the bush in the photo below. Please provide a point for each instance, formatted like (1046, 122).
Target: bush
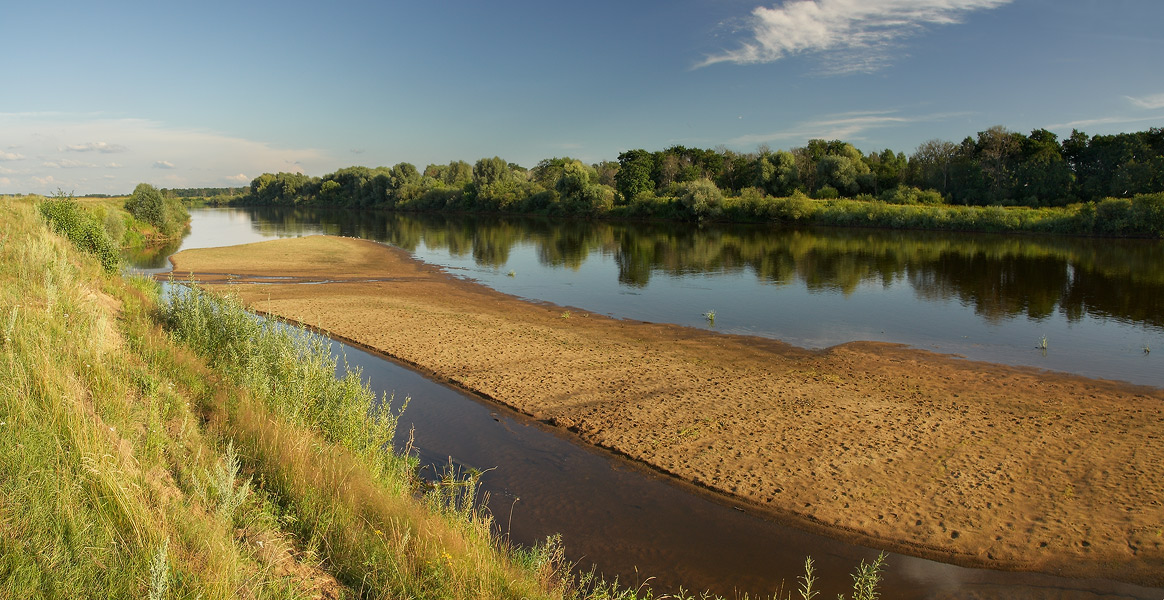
(701, 199)
(827, 192)
(910, 195)
(166, 214)
(67, 218)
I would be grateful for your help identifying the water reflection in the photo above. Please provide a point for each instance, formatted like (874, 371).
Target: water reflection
(986, 297)
(1000, 276)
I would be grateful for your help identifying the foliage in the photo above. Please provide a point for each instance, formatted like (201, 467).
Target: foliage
(994, 168)
(167, 214)
(87, 233)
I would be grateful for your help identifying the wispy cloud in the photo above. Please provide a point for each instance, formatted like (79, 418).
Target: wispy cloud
(102, 147)
(163, 164)
(850, 36)
(1152, 102)
(1114, 120)
(845, 126)
(10, 156)
(66, 163)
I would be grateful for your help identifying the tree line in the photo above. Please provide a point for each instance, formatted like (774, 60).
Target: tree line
(996, 168)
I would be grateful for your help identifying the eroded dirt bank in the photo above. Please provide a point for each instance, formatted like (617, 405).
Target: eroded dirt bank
(967, 462)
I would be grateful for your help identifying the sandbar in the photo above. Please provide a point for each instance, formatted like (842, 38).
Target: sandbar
(967, 462)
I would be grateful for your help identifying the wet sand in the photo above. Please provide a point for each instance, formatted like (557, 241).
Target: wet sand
(967, 462)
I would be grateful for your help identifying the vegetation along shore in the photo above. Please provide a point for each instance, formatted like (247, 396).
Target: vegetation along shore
(995, 181)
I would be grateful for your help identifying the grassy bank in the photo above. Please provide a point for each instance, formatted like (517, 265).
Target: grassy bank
(185, 449)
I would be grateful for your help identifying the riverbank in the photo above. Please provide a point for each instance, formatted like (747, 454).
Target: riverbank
(972, 463)
(167, 456)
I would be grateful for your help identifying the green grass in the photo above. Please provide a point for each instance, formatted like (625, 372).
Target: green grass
(189, 450)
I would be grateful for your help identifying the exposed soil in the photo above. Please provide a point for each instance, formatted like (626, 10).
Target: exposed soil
(936, 456)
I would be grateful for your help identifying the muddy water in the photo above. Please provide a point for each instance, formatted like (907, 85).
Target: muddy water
(644, 528)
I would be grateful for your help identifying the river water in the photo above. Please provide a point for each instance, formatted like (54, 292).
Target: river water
(990, 298)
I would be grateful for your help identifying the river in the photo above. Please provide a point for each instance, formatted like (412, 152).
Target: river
(983, 297)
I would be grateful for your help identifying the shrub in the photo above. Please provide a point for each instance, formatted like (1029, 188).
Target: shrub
(827, 192)
(701, 199)
(166, 214)
(67, 218)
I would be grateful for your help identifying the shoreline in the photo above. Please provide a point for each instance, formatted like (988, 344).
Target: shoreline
(970, 463)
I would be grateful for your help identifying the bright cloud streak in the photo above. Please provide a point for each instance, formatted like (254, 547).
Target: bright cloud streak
(42, 149)
(103, 147)
(851, 35)
(848, 127)
(1149, 102)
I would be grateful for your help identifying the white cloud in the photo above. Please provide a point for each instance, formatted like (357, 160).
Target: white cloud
(102, 147)
(65, 163)
(5, 181)
(10, 156)
(240, 178)
(850, 35)
(163, 164)
(1152, 102)
(1114, 120)
(113, 165)
(845, 126)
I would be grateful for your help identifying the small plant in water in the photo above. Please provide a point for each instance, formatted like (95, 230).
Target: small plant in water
(1147, 349)
(1043, 344)
(511, 274)
(710, 316)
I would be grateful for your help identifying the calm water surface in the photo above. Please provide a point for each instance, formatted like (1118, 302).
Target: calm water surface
(1098, 303)
(987, 298)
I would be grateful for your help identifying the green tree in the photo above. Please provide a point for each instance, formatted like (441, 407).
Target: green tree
(777, 173)
(167, 215)
(929, 167)
(634, 173)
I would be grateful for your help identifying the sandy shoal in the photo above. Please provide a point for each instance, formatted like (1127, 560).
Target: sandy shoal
(967, 462)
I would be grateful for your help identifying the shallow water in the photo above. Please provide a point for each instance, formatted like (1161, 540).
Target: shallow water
(633, 523)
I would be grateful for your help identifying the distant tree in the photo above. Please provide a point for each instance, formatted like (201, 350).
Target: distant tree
(491, 171)
(606, 170)
(1042, 176)
(929, 167)
(634, 173)
(547, 172)
(838, 172)
(777, 173)
(166, 214)
(146, 204)
(458, 174)
(997, 151)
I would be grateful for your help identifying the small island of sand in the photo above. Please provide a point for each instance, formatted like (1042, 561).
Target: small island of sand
(967, 462)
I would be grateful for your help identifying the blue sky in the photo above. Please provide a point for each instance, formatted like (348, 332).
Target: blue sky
(98, 97)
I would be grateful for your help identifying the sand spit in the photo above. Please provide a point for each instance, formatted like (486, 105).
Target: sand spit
(967, 462)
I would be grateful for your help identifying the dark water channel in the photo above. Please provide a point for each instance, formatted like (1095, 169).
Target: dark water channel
(637, 525)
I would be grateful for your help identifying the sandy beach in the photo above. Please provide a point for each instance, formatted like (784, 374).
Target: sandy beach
(967, 462)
